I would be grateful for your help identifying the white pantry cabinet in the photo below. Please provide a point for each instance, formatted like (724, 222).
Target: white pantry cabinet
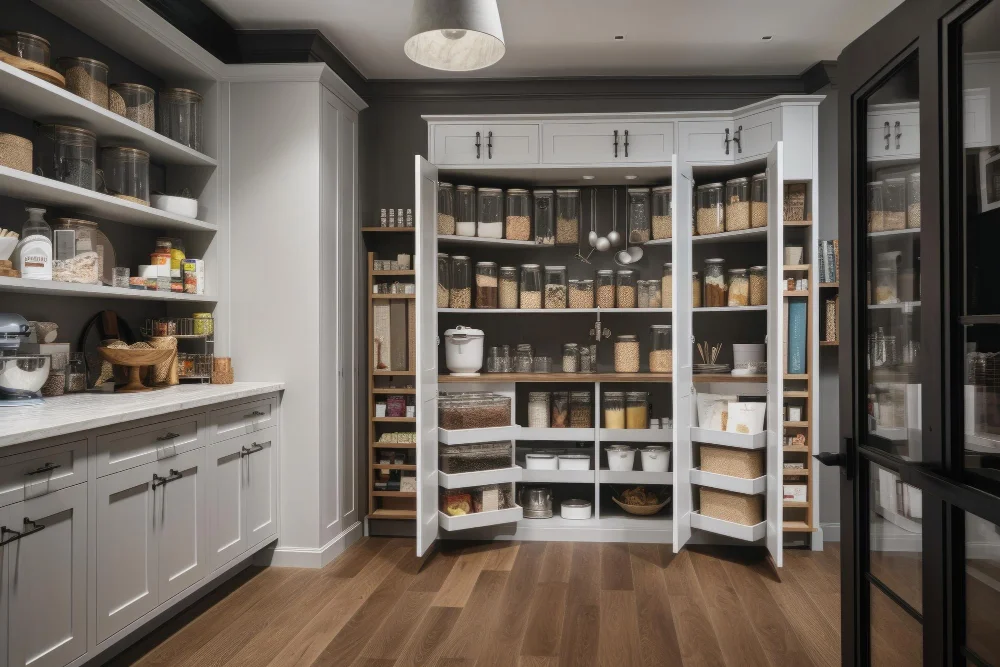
(894, 129)
(607, 141)
(495, 144)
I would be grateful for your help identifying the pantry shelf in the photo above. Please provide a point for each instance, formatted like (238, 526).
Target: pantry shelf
(558, 476)
(393, 296)
(388, 229)
(739, 236)
(635, 477)
(636, 435)
(379, 274)
(894, 232)
(728, 528)
(51, 287)
(480, 519)
(468, 436)
(727, 439)
(394, 494)
(590, 378)
(383, 513)
(501, 243)
(795, 504)
(905, 306)
(753, 486)
(795, 472)
(797, 527)
(393, 466)
(728, 309)
(548, 311)
(464, 480)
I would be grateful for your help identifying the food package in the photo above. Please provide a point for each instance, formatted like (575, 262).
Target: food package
(456, 503)
(193, 271)
(746, 417)
(713, 411)
(84, 268)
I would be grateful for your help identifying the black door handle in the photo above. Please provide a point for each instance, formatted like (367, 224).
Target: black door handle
(489, 145)
(831, 458)
(899, 134)
(33, 525)
(479, 145)
(888, 134)
(738, 138)
(626, 143)
(616, 143)
(4, 532)
(163, 481)
(48, 467)
(727, 141)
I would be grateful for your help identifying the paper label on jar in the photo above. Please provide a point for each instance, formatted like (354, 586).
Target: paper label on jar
(35, 258)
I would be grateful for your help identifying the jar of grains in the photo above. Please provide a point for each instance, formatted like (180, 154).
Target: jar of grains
(560, 410)
(465, 210)
(627, 354)
(614, 410)
(715, 283)
(738, 288)
(518, 215)
(663, 226)
(486, 285)
(134, 101)
(661, 354)
(737, 204)
(625, 288)
(568, 216)
(446, 209)
(531, 286)
(655, 299)
(636, 409)
(709, 216)
(523, 359)
(894, 203)
(642, 288)
(571, 358)
(667, 285)
(758, 285)
(913, 200)
(545, 219)
(605, 288)
(86, 78)
(538, 409)
(461, 282)
(695, 290)
(508, 287)
(555, 286)
(126, 173)
(638, 215)
(489, 203)
(758, 201)
(586, 365)
(581, 409)
(876, 214)
(581, 293)
(444, 279)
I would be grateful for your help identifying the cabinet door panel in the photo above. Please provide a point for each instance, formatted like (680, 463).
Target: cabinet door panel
(241, 419)
(47, 581)
(261, 492)
(759, 134)
(42, 471)
(976, 118)
(704, 141)
(581, 143)
(227, 536)
(648, 142)
(456, 144)
(179, 525)
(511, 144)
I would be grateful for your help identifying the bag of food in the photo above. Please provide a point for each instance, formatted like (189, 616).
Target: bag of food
(746, 417)
(713, 410)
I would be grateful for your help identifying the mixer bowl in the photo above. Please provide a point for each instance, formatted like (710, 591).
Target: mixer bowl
(23, 376)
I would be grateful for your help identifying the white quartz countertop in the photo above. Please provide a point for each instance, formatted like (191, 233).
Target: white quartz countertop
(70, 413)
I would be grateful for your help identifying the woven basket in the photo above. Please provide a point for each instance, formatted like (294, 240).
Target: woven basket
(733, 507)
(744, 463)
(641, 510)
(795, 202)
(15, 152)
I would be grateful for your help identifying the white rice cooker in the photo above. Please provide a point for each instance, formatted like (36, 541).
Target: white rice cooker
(463, 350)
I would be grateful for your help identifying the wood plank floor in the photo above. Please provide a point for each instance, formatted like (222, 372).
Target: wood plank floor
(519, 605)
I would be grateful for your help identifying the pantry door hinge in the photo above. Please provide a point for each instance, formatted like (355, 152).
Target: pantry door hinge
(437, 341)
(692, 339)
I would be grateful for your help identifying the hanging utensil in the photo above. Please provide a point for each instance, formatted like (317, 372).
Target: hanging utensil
(614, 238)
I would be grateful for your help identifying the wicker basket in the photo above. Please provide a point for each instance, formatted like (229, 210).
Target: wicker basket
(733, 507)
(15, 152)
(474, 458)
(641, 510)
(795, 202)
(744, 463)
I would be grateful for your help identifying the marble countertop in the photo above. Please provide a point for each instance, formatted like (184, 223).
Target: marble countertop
(81, 412)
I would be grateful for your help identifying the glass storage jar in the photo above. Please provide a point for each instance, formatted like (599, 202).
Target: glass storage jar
(737, 204)
(695, 290)
(126, 173)
(86, 78)
(568, 216)
(667, 285)
(505, 360)
(581, 293)
(461, 282)
(738, 288)
(894, 203)
(614, 410)
(489, 203)
(876, 210)
(486, 285)
(886, 284)
(586, 364)
(541, 364)
(180, 116)
(523, 360)
(560, 410)
(638, 215)
(627, 354)
(581, 409)
(758, 201)
(446, 209)
(493, 360)
(758, 285)
(465, 210)
(67, 154)
(84, 234)
(555, 286)
(518, 215)
(531, 286)
(76, 373)
(625, 288)
(655, 297)
(538, 409)
(709, 216)
(636, 409)
(663, 214)
(137, 103)
(508, 287)
(27, 46)
(444, 279)
(606, 288)
(661, 355)
(642, 291)
(545, 217)
(913, 200)
(715, 283)
(571, 358)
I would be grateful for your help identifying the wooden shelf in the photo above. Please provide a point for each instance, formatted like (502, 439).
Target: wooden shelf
(795, 449)
(796, 376)
(410, 391)
(389, 373)
(829, 285)
(798, 292)
(393, 466)
(797, 527)
(393, 514)
(52, 287)
(501, 243)
(799, 223)
(796, 394)
(394, 420)
(388, 229)
(829, 343)
(394, 296)
(394, 445)
(797, 267)
(796, 504)
(795, 472)
(729, 309)
(799, 424)
(394, 494)
(589, 378)
(407, 272)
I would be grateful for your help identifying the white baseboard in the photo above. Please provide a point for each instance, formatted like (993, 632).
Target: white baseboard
(831, 532)
(311, 557)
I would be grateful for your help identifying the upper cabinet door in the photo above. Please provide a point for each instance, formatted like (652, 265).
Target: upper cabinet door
(583, 143)
(458, 144)
(180, 508)
(707, 141)
(511, 144)
(893, 131)
(756, 134)
(647, 142)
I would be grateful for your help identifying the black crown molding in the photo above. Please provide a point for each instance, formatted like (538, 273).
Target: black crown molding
(200, 23)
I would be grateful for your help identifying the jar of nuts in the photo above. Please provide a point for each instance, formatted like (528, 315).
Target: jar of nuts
(663, 226)
(709, 216)
(555, 286)
(518, 215)
(531, 286)
(661, 354)
(758, 285)
(627, 354)
(625, 288)
(461, 282)
(737, 204)
(758, 201)
(738, 288)
(508, 287)
(581, 293)
(605, 288)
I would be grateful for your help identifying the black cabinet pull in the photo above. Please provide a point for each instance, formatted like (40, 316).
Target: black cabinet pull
(616, 143)
(168, 436)
(48, 467)
(888, 134)
(831, 458)
(626, 143)
(33, 525)
(163, 481)
(255, 413)
(478, 145)
(489, 145)
(4, 532)
(727, 140)
(738, 138)
(252, 449)
(899, 133)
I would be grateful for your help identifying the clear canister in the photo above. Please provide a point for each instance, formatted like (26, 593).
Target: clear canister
(446, 209)
(493, 360)
(586, 364)
(545, 219)
(661, 355)
(758, 285)
(738, 288)
(625, 288)
(642, 290)
(570, 358)
(67, 154)
(560, 410)
(606, 288)
(709, 216)
(581, 293)
(568, 216)
(555, 286)
(136, 102)
(27, 46)
(505, 360)
(538, 409)
(126, 173)
(508, 287)
(627, 354)
(444, 279)
(486, 284)
(518, 215)
(655, 296)
(663, 215)
(531, 286)
(86, 78)
(180, 116)
(581, 409)
(696, 301)
(523, 359)
(876, 209)
(638, 215)
(715, 282)
(636, 409)
(461, 282)
(489, 203)
(667, 285)
(614, 410)
(465, 210)
(894, 203)
(76, 373)
(886, 284)
(737, 204)
(913, 200)
(758, 201)
(541, 364)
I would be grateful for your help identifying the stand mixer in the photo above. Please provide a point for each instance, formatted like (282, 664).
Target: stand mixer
(21, 375)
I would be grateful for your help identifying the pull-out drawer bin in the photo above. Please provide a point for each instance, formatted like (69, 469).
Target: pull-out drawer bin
(745, 463)
(730, 506)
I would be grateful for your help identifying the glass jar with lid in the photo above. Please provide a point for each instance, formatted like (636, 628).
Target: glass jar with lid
(538, 409)
(605, 288)
(758, 285)
(180, 116)
(715, 283)
(134, 101)
(531, 286)
(493, 360)
(625, 288)
(627, 354)
(655, 297)
(667, 285)
(642, 290)
(581, 293)
(581, 409)
(661, 354)
(25, 45)
(876, 211)
(126, 173)
(568, 208)
(738, 288)
(638, 215)
(465, 210)
(636, 409)
(508, 287)
(560, 410)
(523, 360)
(894, 203)
(571, 358)
(541, 364)
(555, 286)
(486, 285)
(518, 215)
(444, 279)
(758, 201)
(506, 365)
(76, 373)
(663, 214)
(67, 154)
(586, 364)
(709, 215)
(86, 78)
(913, 200)
(461, 282)
(545, 217)
(489, 203)
(446, 209)
(614, 410)
(695, 290)
(737, 204)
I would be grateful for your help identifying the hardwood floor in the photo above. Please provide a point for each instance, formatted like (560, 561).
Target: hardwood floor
(519, 605)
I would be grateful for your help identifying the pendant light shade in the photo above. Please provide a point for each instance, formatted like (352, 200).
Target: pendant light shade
(455, 35)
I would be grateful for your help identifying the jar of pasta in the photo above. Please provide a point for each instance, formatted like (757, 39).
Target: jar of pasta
(636, 409)
(738, 288)
(614, 410)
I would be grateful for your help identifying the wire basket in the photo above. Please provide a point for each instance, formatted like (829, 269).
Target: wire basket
(180, 327)
(194, 366)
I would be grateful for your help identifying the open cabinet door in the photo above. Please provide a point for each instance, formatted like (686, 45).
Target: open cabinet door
(683, 181)
(775, 351)
(427, 354)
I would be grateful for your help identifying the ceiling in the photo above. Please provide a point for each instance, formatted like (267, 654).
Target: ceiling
(559, 38)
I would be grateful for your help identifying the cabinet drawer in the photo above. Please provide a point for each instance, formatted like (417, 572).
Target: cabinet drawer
(134, 447)
(647, 142)
(242, 419)
(457, 144)
(759, 133)
(42, 471)
(704, 141)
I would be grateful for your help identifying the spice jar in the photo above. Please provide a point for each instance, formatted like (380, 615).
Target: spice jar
(545, 222)
(661, 355)
(555, 286)
(715, 283)
(638, 215)
(627, 354)
(531, 286)
(126, 173)
(538, 409)
(758, 201)
(541, 364)
(581, 293)
(876, 213)
(913, 200)
(894, 203)
(204, 324)
(571, 358)
(446, 209)
(738, 288)
(67, 154)
(667, 285)
(636, 409)
(180, 116)
(486, 285)
(695, 290)
(663, 226)
(444, 280)
(465, 210)
(76, 373)
(581, 409)
(758, 285)
(489, 202)
(86, 78)
(518, 215)
(523, 360)
(508, 287)
(737, 204)
(137, 103)
(614, 410)
(27, 46)
(568, 216)
(625, 288)
(560, 409)
(655, 298)
(709, 215)
(461, 283)
(605, 288)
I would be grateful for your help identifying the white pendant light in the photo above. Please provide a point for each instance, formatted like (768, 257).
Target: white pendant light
(455, 35)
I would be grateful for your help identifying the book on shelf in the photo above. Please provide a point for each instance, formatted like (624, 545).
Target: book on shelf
(829, 261)
(821, 262)
(796, 336)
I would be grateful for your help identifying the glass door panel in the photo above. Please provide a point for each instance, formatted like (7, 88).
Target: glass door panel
(895, 558)
(982, 590)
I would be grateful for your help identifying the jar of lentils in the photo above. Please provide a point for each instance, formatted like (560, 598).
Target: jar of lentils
(518, 215)
(446, 209)
(581, 293)
(627, 354)
(605, 288)
(758, 201)
(571, 358)
(758, 285)
(625, 288)
(508, 287)
(663, 225)
(531, 286)
(737, 204)
(709, 215)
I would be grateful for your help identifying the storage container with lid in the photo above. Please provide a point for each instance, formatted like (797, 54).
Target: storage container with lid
(894, 203)
(758, 285)
(655, 458)
(489, 204)
(614, 410)
(638, 215)
(473, 410)
(568, 209)
(486, 285)
(444, 279)
(586, 363)
(461, 282)
(545, 217)
(886, 284)
(758, 201)
(605, 288)
(642, 292)
(661, 355)
(446, 209)
(576, 509)
(625, 289)
(179, 117)
(570, 358)
(463, 347)
(913, 200)
(33, 253)
(663, 215)
(715, 283)
(126, 173)
(709, 215)
(538, 409)
(476, 457)
(738, 288)
(508, 287)
(67, 154)
(465, 210)
(627, 354)
(636, 409)
(876, 210)
(581, 293)
(555, 286)
(86, 78)
(518, 215)
(574, 461)
(655, 294)
(541, 460)
(667, 285)
(531, 286)
(621, 458)
(581, 410)
(138, 103)
(84, 233)
(541, 364)
(523, 360)
(25, 45)
(737, 204)
(560, 410)
(505, 360)
(695, 290)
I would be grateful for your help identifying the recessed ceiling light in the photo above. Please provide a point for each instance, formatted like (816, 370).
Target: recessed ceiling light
(767, 38)
(630, 177)
(619, 38)
(588, 177)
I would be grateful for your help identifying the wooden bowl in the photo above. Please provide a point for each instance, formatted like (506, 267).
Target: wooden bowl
(134, 360)
(36, 69)
(642, 510)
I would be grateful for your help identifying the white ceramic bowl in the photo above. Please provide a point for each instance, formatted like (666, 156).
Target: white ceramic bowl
(25, 373)
(177, 205)
(621, 460)
(7, 245)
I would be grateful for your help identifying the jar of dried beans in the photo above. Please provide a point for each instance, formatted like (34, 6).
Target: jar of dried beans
(758, 201)
(568, 216)
(605, 288)
(758, 285)
(486, 285)
(913, 200)
(581, 293)
(545, 223)
(738, 288)
(555, 286)
(737, 204)
(663, 226)
(518, 215)
(461, 282)
(667, 285)
(715, 283)
(508, 287)
(661, 354)
(446, 209)
(625, 288)
(709, 215)
(531, 286)
(627, 354)
(444, 280)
